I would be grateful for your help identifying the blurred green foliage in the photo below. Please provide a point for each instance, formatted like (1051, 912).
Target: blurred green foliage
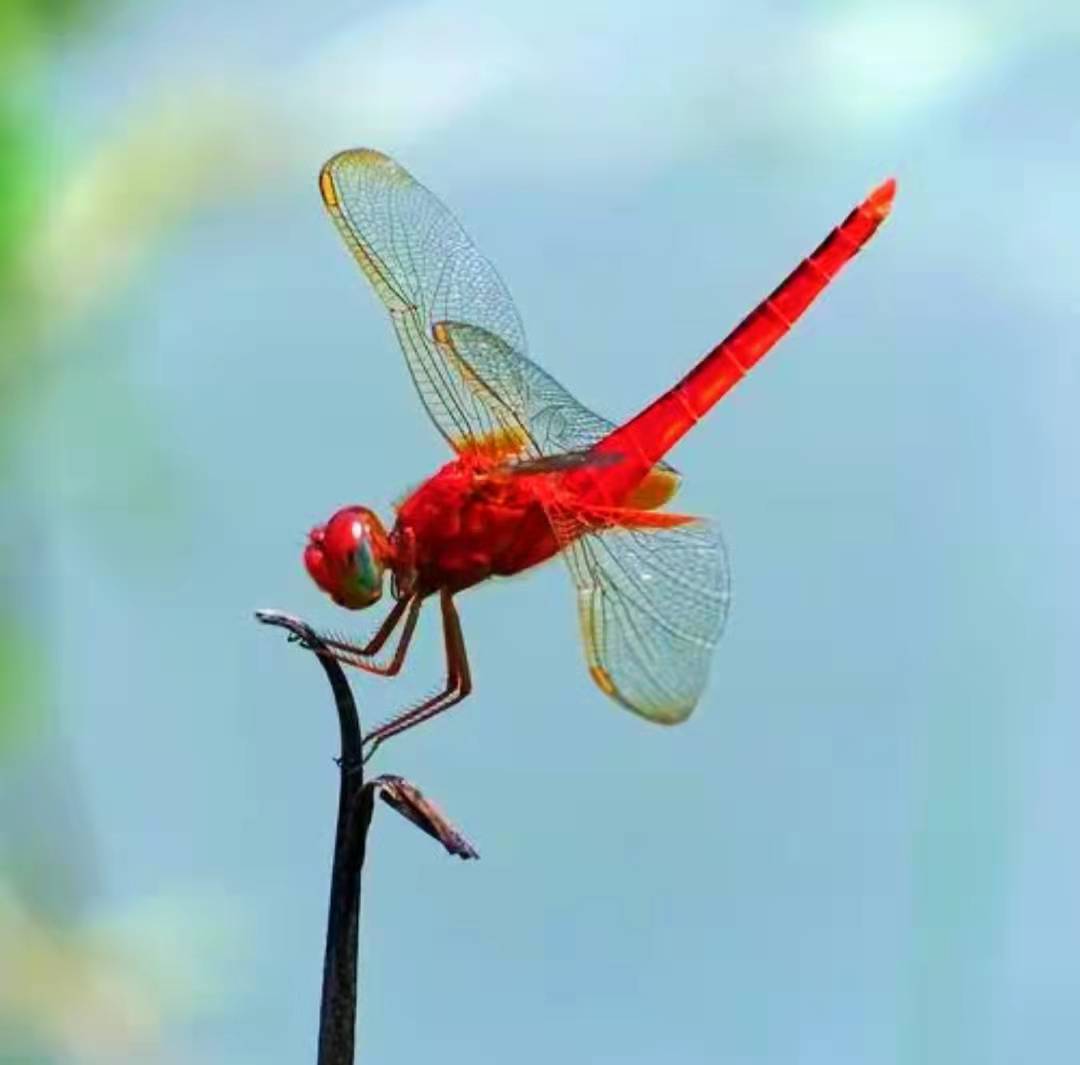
(18, 159)
(45, 967)
(114, 204)
(15, 351)
(18, 206)
(19, 664)
(27, 25)
(71, 987)
(29, 32)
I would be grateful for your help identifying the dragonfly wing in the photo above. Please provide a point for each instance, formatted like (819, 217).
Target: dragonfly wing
(425, 269)
(652, 605)
(528, 404)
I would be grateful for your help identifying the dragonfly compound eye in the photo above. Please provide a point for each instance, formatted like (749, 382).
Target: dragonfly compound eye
(347, 557)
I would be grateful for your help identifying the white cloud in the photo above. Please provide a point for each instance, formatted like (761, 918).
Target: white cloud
(882, 64)
(395, 78)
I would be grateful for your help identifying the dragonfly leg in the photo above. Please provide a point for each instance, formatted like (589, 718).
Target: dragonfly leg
(458, 682)
(359, 655)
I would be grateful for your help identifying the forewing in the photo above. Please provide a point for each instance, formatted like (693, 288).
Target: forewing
(425, 269)
(652, 605)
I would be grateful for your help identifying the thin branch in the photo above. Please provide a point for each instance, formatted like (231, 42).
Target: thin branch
(337, 1012)
(356, 803)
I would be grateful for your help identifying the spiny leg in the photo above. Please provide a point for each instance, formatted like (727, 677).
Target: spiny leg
(354, 655)
(382, 634)
(458, 681)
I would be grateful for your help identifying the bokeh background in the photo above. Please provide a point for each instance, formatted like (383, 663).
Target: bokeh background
(862, 848)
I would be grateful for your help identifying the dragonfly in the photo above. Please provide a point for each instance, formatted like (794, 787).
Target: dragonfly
(535, 473)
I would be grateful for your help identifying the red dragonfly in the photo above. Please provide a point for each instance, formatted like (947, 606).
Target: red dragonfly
(534, 472)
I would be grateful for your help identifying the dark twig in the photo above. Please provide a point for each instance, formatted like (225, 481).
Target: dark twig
(337, 1013)
(356, 802)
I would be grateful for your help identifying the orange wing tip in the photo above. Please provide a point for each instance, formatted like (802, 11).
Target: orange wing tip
(353, 159)
(879, 202)
(326, 186)
(659, 715)
(602, 679)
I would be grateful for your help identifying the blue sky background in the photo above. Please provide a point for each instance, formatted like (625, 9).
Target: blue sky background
(861, 848)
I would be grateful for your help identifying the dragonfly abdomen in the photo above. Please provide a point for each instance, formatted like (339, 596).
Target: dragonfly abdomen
(647, 438)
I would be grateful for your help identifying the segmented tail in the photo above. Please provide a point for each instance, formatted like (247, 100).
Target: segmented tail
(646, 438)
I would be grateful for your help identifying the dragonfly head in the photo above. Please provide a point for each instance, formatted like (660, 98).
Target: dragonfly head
(348, 557)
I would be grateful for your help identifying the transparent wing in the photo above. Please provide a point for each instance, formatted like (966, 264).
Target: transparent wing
(529, 406)
(652, 605)
(425, 269)
(457, 325)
